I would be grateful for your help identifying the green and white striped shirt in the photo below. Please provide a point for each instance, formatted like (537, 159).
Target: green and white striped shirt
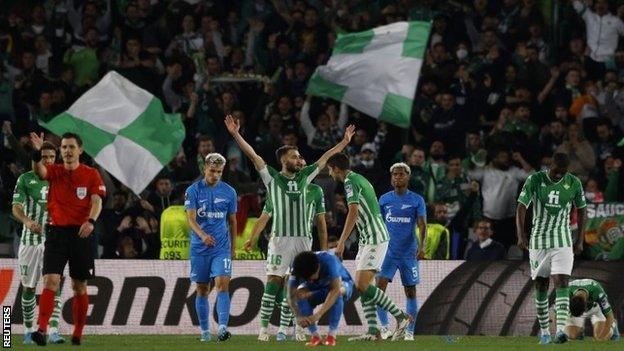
(370, 224)
(552, 204)
(315, 205)
(288, 198)
(32, 193)
(596, 295)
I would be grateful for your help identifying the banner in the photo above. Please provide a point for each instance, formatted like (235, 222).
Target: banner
(157, 297)
(604, 231)
(457, 297)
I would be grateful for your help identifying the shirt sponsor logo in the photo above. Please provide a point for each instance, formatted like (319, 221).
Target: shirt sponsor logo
(201, 212)
(81, 192)
(391, 219)
(403, 207)
(218, 200)
(32, 182)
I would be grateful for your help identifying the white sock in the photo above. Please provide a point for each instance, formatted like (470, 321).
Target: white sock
(545, 331)
(263, 330)
(52, 330)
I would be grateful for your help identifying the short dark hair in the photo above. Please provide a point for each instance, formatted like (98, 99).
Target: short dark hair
(305, 265)
(561, 160)
(283, 150)
(48, 146)
(70, 135)
(454, 157)
(340, 161)
(577, 305)
(203, 138)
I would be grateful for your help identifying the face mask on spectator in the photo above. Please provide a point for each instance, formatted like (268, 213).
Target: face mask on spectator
(461, 53)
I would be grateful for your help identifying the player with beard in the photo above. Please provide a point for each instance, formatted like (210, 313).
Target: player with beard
(287, 192)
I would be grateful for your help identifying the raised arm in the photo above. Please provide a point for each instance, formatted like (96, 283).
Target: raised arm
(349, 132)
(233, 126)
(37, 166)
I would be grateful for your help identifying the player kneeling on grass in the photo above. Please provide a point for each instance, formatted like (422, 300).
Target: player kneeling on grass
(589, 300)
(318, 278)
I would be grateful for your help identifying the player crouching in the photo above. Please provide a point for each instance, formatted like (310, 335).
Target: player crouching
(589, 300)
(318, 278)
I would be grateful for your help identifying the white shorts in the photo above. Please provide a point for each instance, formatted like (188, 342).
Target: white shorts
(594, 314)
(371, 257)
(30, 260)
(282, 251)
(546, 262)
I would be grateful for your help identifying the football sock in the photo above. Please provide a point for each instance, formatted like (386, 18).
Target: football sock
(28, 309)
(541, 305)
(201, 307)
(223, 308)
(562, 307)
(271, 290)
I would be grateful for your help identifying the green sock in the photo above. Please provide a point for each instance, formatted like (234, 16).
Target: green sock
(56, 313)
(562, 307)
(541, 305)
(271, 290)
(370, 314)
(379, 298)
(28, 308)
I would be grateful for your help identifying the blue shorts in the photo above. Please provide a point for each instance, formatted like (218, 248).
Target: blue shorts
(204, 268)
(408, 268)
(319, 295)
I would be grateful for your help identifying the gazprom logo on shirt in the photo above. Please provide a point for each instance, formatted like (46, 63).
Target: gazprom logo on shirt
(201, 212)
(391, 219)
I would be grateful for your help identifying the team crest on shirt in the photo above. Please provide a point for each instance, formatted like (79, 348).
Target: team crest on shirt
(81, 192)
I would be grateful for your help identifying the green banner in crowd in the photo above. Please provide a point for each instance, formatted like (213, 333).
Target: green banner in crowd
(604, 231)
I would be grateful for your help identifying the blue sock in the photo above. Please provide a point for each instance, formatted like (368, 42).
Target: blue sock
(223, 308)
(383, 316)
(306, 310)
(335, 312)
(201, 307)
(412, 310)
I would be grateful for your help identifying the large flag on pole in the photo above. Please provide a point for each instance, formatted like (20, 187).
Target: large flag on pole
(375, 71)
(124, 128)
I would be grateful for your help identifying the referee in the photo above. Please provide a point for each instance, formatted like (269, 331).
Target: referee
(74, 203)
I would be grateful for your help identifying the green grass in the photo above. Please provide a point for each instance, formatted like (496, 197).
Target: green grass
(191, 342)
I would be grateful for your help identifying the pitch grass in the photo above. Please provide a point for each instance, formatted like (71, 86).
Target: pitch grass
(244, 343)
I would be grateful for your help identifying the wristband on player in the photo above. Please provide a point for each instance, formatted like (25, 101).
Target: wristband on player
(36, 156)
(91, 220)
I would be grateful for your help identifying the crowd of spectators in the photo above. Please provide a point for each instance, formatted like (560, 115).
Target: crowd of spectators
(502, 88)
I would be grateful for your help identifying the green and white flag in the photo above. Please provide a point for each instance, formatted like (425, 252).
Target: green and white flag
(124, 128)
(375, 71)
